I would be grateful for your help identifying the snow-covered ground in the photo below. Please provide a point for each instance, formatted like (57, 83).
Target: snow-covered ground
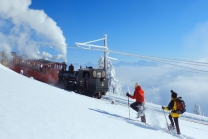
(30, 109)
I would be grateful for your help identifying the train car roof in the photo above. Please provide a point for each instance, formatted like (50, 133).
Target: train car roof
(42, 61)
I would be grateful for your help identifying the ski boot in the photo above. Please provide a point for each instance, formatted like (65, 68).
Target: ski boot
(171, 127)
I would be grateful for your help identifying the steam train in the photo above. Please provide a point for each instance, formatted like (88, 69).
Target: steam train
(85, 81)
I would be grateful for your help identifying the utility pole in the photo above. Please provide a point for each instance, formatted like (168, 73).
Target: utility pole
(89, 46)
(105, 55)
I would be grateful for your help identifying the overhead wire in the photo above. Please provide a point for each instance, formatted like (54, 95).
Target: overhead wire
(167, 61)
(158, 58)
(161, 60)
(158, 66)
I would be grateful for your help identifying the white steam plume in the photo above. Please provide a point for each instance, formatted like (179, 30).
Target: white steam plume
(25, 25)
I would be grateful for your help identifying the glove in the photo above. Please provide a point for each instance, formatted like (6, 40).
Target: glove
(127, 94)
(163, 107)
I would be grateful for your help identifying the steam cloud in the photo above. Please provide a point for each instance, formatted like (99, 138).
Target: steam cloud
(21, 26)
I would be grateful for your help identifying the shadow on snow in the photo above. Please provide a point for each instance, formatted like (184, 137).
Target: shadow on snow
(139, 124)
(131, 121)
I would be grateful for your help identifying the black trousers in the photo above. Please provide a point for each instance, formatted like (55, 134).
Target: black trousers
(175, 119)
(134, 106)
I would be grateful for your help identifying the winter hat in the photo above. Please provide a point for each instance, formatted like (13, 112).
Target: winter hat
(136, 84)
(174, 94)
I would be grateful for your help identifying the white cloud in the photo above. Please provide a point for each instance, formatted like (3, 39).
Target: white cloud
(46, 55)
(28, 24)
(157, 83)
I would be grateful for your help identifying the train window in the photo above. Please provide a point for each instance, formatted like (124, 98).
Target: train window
(86, 73)
(99, 74)
(56, 67)
(22, 62)
(36, 67)
(44, 69)
(94, 73)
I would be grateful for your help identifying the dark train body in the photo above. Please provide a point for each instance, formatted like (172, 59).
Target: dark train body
(86, 81)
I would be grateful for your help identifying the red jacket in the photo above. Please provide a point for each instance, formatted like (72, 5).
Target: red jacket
(138, 94)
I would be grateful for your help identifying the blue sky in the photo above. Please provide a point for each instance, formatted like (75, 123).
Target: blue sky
(153, 28)
(161, 28)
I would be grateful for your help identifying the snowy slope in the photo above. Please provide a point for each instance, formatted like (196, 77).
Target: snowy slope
(32, 109)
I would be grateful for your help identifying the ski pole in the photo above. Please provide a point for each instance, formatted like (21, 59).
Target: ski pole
(129, 108)
(128, 102)
(166, 120)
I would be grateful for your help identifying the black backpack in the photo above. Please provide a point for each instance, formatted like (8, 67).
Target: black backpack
(180, 104)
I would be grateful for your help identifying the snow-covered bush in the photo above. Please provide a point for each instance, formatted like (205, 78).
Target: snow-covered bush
(114, 85)
(197, 110)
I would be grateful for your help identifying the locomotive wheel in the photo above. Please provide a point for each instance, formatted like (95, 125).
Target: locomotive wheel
(99, 96)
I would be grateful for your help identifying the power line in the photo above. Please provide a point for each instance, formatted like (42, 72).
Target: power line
(151, 58)
(161, 60)
(158, 58)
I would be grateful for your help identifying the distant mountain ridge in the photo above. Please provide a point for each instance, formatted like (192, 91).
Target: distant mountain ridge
(135, 64)
(119, 64)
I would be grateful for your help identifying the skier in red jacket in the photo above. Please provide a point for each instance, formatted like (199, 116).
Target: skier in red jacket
(138, 106)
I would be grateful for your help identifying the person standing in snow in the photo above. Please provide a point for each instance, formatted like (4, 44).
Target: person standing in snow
(173, 115)
(138, 106)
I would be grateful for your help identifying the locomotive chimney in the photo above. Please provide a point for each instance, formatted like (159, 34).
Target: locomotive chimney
(71, 68)
(64, 66)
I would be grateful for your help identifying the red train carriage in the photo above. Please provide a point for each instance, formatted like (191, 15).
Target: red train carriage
(42, 70)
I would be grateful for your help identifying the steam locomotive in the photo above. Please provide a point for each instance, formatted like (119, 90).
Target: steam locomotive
(87, 81)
